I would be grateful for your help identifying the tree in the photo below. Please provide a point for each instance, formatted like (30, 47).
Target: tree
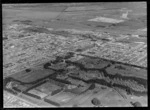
(47, 65)
(28, 70)
(92, 86)
(136, 104)
(96, 102)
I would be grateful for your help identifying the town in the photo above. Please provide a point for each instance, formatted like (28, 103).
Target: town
(75, 55)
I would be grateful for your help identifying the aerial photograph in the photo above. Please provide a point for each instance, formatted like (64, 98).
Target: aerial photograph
(76, 54)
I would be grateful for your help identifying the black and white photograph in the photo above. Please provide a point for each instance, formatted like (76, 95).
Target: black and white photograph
(77, 54)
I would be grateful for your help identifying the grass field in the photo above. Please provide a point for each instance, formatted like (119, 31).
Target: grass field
(31, 76)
